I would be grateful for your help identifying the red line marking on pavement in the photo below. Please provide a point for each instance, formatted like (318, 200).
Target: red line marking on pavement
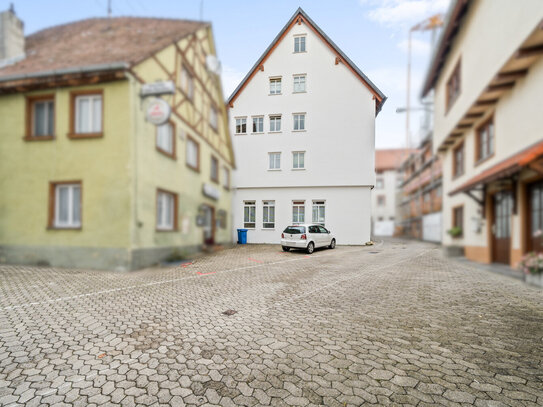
(307, 257)
(205, 274)
(256, 261)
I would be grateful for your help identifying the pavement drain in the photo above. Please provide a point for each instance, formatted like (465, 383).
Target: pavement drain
(230, 312)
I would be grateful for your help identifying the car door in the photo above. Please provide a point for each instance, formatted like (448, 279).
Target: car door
(314, 235)
(325, 235)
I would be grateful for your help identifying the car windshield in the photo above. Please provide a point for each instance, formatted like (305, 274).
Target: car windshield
(295, 230)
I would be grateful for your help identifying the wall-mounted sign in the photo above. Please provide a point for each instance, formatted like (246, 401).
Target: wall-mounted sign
(211, 192)
(158, 88)
(158, 111)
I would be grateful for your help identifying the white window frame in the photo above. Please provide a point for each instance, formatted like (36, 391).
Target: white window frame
(296, 160)
(298, 39)
(318, 203)
(298, 81)
(166, 145)
(275, 119)
(91, 98)
(257, 120)
(165, 201)
(213, 117)
(268, 215)
(250, 220)
(71, 222)
(240, 122)
(276, 85)
(299, 122)
(296, 212)
(196, 164)
(274, 161)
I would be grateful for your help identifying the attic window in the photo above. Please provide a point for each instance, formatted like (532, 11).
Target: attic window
(299, 43)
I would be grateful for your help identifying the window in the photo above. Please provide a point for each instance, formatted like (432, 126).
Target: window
(187, 82)
(458, 219)
(453, 86)
(299, 83)
(318, 212)
(40, 117)
(213, 117)
(166, 210)
(268, 214)
(458, 160)
(241, 125)
(299, 43)
(484, 147)
(275, 161)
(298, 158)
(275, 86)
(249, 214)
(222, 216)
(86, 118)
(193, 154)
(379, 183)
(275, 123)
(165, 139)
(258, 124)
(65, 209)
(298, 212)
(381, 200)
(214, 169)
(225, 178)
(299, 121)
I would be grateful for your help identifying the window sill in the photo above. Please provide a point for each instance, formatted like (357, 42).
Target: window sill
(299, 131)
(297, 169)
(64, 227)
(269, 229)
(258, 132)
(275, 132)
(274, 94)
(38, 138)
(166, 153)
(302, 91)
(215, 181)
(482, 160)
(240, 134)
(195, 169)
(299, 52)
(274, 169)
(85, 135)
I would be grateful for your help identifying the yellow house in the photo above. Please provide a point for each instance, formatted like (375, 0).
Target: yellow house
(85, 180)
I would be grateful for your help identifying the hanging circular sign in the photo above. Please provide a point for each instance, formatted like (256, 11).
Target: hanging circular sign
(158, 111)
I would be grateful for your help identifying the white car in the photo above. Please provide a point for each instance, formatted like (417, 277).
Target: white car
(308, 237)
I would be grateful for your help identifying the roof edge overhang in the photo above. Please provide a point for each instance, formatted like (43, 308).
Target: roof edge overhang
(456, 11)
(298, 17)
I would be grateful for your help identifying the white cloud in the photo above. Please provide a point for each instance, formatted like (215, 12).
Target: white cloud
(230, 79)
(403, 12)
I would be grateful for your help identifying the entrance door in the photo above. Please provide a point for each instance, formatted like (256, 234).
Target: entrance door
(501, 228)
(209, 225)
(535, 217)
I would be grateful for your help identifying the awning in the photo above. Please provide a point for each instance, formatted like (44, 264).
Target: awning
(503, 169)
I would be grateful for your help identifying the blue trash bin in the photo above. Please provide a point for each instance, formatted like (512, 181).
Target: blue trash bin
(242, 236)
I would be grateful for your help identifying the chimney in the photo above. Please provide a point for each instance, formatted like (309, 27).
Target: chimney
(12, 39)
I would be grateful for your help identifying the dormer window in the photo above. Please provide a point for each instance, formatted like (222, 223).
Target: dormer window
(299, 43)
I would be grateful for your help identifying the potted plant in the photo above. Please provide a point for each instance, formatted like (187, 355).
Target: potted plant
(455, 231)
(532, 267)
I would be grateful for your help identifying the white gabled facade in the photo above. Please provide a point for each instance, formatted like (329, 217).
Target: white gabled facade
(339, 106)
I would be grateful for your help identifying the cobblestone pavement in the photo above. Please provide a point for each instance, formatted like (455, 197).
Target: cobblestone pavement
(393, 324)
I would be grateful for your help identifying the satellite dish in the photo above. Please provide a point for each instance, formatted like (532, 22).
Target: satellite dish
(213, 64)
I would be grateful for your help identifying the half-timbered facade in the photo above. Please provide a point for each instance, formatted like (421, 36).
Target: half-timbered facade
(86, 181)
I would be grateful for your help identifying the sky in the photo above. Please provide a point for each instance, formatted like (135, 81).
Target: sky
(373, 33)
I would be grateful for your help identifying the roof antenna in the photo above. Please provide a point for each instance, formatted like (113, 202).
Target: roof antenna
(12, 8)
(109, 8)
(201, 10)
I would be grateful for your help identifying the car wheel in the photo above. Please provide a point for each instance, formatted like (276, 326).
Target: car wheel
(310, 247)
(286, 249)
(332, 244)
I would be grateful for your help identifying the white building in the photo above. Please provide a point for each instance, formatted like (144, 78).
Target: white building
(303, 121)
(387, 165)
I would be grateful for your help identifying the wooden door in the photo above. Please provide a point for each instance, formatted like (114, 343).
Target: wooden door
(535, 217)
(501, 228)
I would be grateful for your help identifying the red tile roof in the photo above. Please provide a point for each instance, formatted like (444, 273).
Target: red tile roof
(504, 168)
(99, 41)
(390, 159)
